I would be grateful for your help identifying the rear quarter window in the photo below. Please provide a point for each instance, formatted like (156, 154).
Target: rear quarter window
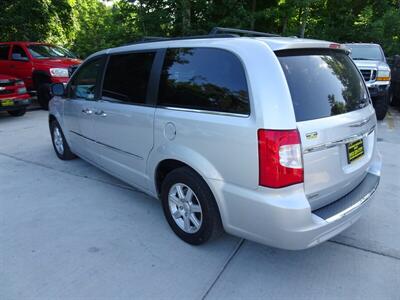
(4, 49)
(204, 79)
(322, 83)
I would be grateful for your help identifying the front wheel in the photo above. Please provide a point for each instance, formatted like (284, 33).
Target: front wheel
(189, 206)
(395, 94)
(381, 105)
(59, 142)
(18, 112)
(43, 94)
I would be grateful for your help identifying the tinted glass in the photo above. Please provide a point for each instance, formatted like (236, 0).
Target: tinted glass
(85, 82)
(127, 77)
(365, 52)
(204, 79)
(18, 53)
(48, 51)
(323, 83)
(4, 49)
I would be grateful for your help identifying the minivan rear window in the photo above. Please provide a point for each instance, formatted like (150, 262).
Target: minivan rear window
(322, 83)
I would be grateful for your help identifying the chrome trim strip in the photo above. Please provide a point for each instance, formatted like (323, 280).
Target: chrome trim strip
(361, 123)
(348, 210)
(205, 111)
(108, 146)
(339, 142)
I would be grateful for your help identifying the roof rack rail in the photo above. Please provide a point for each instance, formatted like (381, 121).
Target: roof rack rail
(222, 30)
(152, 39)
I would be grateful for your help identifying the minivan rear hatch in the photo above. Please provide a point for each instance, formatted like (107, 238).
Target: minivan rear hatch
(335, 120)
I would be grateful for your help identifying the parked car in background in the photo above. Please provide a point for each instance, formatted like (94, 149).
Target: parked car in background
(13, 95)
(371, 61)
(38, 65)
(271, 138)
(394, 64)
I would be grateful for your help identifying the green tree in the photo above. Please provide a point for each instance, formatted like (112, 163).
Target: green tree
(37, 20)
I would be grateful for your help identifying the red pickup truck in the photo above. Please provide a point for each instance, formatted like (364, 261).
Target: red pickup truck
(13, 96)
(38, 65)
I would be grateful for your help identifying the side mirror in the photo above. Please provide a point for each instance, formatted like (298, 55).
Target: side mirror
(57, 89)
(19, 57)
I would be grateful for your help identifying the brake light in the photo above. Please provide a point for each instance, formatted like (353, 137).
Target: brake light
(279, 158)
(334, 46)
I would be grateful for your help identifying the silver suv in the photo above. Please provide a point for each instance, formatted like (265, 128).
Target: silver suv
(371, 61)
(272, 139)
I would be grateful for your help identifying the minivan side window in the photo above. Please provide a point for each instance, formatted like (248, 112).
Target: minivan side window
(127, 76)
(4, 49)
(85, 81)
(204, 79)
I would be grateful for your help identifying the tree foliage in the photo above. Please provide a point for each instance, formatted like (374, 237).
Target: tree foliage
(86, 26)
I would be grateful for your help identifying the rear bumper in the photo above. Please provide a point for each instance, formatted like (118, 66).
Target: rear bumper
(283, 218)
(18, 102)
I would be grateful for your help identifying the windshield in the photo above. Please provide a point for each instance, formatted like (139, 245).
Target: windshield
(365, 52)
(322, 83)
(47, 51)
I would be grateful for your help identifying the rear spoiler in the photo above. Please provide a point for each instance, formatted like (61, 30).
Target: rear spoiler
(298, 44)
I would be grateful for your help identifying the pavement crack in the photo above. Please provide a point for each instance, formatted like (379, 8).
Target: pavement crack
(223, 268)
(122, 186)
(365, 249)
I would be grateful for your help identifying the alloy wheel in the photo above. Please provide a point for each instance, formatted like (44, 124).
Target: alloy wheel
(185, 208)
(58, 140)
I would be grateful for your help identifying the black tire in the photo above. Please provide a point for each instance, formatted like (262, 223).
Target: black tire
(211, 226)
(66, 153)
(381, 105)
(18, 112)
(391, 96)
(396, 94)
(43, 94)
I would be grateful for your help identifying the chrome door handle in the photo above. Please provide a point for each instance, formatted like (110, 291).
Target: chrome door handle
(87, 111)
(100, 113)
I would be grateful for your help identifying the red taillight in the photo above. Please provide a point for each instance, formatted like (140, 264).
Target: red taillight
(335, 46)
(279, 158)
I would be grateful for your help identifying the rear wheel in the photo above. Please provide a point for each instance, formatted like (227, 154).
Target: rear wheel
(59, 142)
(18, 112)
(381, 105)
(189, 206)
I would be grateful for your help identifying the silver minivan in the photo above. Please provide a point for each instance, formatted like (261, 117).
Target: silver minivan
(269, 138)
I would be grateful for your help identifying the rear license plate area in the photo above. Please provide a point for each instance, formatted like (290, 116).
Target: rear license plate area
(355, 150)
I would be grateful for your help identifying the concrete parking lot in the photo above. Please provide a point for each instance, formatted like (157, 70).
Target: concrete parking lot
(70, 231)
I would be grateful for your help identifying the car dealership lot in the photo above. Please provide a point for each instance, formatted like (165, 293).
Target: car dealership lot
(69, 231)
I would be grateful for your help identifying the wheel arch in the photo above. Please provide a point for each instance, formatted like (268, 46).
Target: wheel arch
(166, 158)
(52, 118)
(172, 157)
(40, 76)
(56, 117)
(165, 166)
